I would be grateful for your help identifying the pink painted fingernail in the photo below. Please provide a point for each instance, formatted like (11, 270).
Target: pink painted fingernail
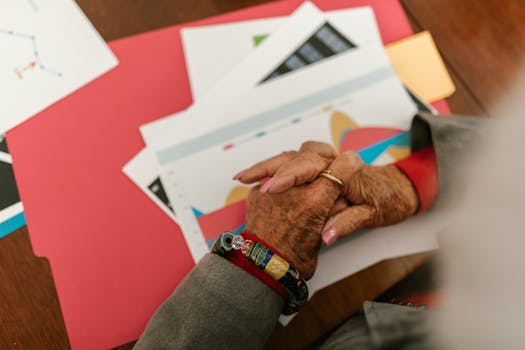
(240, 174)
(266, 187)
(329, 237)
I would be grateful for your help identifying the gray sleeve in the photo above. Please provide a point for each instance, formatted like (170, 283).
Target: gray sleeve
(453, 138)
(384, 326)
(219, 306)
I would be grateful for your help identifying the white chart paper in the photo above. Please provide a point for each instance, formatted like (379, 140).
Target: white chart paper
(201, 44)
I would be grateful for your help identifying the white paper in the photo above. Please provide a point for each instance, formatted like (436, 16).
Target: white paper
(246, 75)
(235, 41)
(49, 49)
(343, 259)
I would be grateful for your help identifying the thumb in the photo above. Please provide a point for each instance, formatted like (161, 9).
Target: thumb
(347, 222)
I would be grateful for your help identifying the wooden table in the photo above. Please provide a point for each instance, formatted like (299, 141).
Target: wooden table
(483, 44)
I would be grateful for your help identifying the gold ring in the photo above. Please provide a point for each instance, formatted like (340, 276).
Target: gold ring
(328, 174)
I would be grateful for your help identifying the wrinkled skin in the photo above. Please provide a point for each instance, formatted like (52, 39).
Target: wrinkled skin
(384, 195)
(291, 222)
(372, 196)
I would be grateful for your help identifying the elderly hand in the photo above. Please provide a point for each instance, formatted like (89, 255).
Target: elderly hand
(292, 220)
(372, 196)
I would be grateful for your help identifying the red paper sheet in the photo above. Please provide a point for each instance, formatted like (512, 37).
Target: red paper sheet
(114, 255)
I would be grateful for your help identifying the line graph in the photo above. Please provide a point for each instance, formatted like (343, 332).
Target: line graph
(36, 63)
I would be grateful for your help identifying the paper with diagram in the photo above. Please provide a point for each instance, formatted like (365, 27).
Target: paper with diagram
(49, 49)
(302, 25)
(201, 44)
(143, 171)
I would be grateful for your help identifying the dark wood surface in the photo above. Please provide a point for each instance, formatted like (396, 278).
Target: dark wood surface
(483, 44)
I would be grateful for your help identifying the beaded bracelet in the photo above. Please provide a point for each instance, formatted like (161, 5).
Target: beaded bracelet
(271, 263)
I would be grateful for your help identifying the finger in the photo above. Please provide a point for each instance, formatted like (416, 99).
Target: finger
(344, 168)
(340, 205)
(347, 222)
(302, 169)
(321, 148)
(265, 168)
(270, 167)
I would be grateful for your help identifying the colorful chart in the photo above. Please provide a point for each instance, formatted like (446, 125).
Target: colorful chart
(369, 142)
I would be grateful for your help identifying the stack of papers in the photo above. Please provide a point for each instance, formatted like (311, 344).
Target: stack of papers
(265, 86)
(115, 256)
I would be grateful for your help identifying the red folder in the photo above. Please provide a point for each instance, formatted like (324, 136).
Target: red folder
(114, 255)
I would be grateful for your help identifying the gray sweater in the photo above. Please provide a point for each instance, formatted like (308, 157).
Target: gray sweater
(220, 306)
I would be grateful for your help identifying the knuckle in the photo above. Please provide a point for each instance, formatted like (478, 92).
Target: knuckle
(311, 156)
(309, 145)
(311, 209)
(303, 168)
(348, 163)
(321, 148)
(350, 157)
(288, 154)
(309, 160)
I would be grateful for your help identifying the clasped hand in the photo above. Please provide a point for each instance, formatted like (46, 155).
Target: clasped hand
(293, 209)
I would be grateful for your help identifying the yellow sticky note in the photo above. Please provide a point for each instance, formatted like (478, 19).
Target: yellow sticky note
(418, 64)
